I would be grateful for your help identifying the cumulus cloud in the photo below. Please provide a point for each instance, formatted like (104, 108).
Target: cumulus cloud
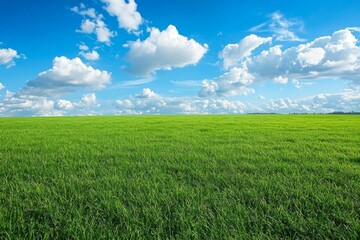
(92, 56)
(346, 101)
(163, 50)
(27, 105)
(147, 93)
(1, 86)
(148, 102)
(336, 56)
(13, 105)
(8, 55)
(87, 102)
(283, 29)
(83, 11)
(83, 47)
(234, 82)
(126, 12)
(64, 104)
(233, 53)
(94, 24)
(89, 99)
(66, 75)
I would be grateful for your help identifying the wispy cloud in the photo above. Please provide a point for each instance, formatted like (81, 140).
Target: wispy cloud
(187, 83)
(131, 83)
(283, 29)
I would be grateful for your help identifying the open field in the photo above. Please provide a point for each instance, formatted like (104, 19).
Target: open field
(183, 177)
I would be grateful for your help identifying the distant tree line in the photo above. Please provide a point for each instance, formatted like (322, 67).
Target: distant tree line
(335, 112)
(340, 112)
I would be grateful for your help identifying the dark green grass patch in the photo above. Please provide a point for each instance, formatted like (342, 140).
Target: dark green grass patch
(180, 177)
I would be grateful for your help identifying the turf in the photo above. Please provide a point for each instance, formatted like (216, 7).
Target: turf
(180, 177)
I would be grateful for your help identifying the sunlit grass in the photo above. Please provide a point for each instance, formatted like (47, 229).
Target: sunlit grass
(184, 177)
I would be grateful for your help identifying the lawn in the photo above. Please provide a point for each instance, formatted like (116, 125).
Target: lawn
(180, 177)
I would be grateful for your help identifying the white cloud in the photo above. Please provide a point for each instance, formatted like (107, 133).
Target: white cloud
(65, 76)
(233, 53)
(282, 28)
(234, 82)
(336, 56)
(83, 47)
(147, 93)
(152, 103)
(87, 26)
(64, 104)
(83, 11)
(1, 86)
(187, 83)
(92, 56)
(94, 25)
(7, 57)
(126, 12)
(261, 97)
(281, 79)
(346, 101)
(89, 99)
(163, 50)
(311, 56)
(27, 106)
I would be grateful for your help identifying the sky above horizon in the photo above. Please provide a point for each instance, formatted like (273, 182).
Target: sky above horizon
(114, 57)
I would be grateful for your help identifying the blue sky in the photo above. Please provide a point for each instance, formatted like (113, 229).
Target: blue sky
(106, 57)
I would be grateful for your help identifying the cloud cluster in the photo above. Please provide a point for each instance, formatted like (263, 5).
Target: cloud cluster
(336, 56)
(163, 50)
(7, 57)
(24, 105)
(234, 53)
(346, 101)
(148, 102)
(66, 75)
(13, 105)
(93, 24)
(126, 12)
(91, 56)
(234, 82)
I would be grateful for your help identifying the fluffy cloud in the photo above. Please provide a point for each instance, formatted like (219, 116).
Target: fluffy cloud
(163, 50)
(1, 86)
(27, 106)
(234, 82)
(149, 102)
(87, 102)
(7, 56)
(92, 56)
(64, 104)
(336, 56)
(83, 47)
(89, 99)
(126, 12)
(233, 53)
(83, 11)
(94, 25)
(66, 75)
(346, 101)
(283, 29)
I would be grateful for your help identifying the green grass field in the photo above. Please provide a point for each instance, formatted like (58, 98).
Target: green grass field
(180, 177)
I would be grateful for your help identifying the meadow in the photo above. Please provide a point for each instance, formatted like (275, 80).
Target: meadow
(180, 177)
